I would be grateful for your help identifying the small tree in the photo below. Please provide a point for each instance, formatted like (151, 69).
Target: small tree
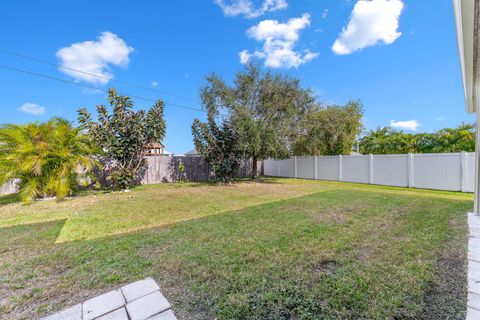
(217, 144)
(124, 135)
(49, 159)
(263, 108)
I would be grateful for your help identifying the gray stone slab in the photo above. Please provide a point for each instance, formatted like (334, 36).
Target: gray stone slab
(475, 232)
(119, 314)
(474, 270)
(139, 289)
(474, 221)
(474, 256)
(473, 216)
(474, 243)
(103, 304)
(474, 286)
(166, 315)
(472, 314)
(473, 300)
(72, 313)
(147, 306)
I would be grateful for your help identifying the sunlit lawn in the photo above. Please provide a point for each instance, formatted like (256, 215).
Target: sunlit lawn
(281, 249)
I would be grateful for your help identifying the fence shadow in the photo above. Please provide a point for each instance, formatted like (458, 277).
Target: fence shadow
(9, 199)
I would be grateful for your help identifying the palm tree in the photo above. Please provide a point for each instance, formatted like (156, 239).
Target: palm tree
(457, 139)
(377, 141)
(49, 158)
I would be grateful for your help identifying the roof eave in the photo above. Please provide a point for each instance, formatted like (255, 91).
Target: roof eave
(465, 26)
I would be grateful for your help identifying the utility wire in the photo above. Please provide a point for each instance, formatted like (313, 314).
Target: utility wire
(94, 75)
(41, 75)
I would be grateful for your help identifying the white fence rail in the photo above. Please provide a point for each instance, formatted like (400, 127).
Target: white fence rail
(9, 187)
(441, 171)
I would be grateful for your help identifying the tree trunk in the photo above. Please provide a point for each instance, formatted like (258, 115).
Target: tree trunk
(254, 168)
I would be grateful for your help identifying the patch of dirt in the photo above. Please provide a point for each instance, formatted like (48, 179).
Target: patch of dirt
(328, 267)
(332, 216)
(446, 297)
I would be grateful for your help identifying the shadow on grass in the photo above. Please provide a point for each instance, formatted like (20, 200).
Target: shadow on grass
(31, 236)
(9, 199)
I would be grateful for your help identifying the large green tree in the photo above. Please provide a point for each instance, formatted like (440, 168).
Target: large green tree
(124, 135)
(49, 159)
(264, 109)
(329, 130)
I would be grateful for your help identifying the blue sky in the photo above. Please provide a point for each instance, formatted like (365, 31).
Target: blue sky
(398, 57)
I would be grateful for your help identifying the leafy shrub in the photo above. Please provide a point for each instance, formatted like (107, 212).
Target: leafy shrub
(50, 158)
(124, 135)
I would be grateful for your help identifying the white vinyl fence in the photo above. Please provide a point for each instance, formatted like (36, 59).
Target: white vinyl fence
(9, 187)
(441, 171)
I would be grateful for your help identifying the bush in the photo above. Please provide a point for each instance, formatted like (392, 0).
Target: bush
(50, 158)
(124, 135)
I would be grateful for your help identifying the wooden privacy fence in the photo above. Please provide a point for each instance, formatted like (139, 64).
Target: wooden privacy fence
(441, 171)
(167, 169)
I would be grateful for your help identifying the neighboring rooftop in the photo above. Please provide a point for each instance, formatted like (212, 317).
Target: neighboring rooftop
(192, 153)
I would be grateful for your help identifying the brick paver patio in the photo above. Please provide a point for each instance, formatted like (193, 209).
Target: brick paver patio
(141, 300)
(473, 304)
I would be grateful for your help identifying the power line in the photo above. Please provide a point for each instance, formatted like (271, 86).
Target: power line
(41, 75)
(94, 75)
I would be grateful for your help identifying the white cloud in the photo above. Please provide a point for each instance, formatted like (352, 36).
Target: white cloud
(279, 40)
(154, 83)
(32, 108)
(371, 21)
(407, 124)
(95, 57)
(247, 8)
(324, 13)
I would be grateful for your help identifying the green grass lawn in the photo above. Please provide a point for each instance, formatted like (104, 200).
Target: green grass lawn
(280, 249)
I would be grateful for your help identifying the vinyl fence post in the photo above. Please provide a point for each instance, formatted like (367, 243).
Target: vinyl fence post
(295, 165)
(464, 168)
(370, 168)
(340, 170)
(315, 167)
(410, 170)
(278, 167)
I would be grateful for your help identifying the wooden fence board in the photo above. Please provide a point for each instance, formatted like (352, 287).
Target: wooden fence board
(166, 169)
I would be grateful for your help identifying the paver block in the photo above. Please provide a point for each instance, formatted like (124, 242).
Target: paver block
(139, 289)
(473, 270)
(103, 304)
(119, 314)
(473, 219)
(473, 216)
(72, 313)
(474, 242)
(147, 306)
(473, 300)
(474, 256)
(473, 285)
(472, 314)
(475, 231)
(166, 315)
